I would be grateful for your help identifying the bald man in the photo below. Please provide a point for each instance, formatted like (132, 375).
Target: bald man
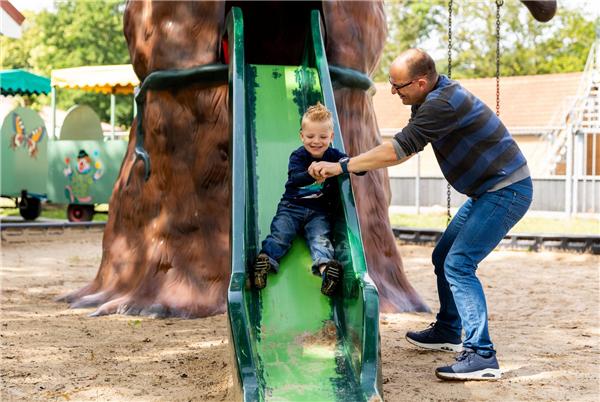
(480, 159)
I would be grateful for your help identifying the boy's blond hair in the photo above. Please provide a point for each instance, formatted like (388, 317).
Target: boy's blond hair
(319, 113)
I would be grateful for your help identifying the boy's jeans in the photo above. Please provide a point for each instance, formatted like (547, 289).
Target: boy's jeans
(292, 219)
(473, 233)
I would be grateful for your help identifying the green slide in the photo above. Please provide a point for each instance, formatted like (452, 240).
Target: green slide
(288, 341)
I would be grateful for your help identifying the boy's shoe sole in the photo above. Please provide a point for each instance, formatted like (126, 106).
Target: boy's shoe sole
(445, 347)
(260, 267)
(332, 276)
(481, 375)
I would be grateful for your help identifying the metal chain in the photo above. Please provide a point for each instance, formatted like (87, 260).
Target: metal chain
(499, 4)
(449, 76)
(450, 39)
(449, 214)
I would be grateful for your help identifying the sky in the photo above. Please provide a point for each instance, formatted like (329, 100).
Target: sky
(38, 5)
(35, 5)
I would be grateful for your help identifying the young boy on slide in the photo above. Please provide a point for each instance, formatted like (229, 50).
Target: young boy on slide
(305, 206)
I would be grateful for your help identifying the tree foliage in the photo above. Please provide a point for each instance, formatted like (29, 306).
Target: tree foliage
(74, 34)
(86, 33)
(410, 24)
(527, 47)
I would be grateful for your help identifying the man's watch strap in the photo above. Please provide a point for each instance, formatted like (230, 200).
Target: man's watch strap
(344, 165)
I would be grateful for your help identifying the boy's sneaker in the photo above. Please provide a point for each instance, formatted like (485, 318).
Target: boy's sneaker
(434, 339)
(471, 366)
(260, 267)
(332, 277)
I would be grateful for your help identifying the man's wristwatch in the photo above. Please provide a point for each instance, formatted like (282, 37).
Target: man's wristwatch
(344, 164)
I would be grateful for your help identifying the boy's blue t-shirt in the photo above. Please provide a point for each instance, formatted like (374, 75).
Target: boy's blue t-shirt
(302, 189)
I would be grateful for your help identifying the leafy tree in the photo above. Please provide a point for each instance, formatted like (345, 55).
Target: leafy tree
(410, 24)
(527, 47)
(75, 34)
(15, 52)
(567, 42)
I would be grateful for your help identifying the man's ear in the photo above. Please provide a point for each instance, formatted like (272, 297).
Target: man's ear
(332, 135)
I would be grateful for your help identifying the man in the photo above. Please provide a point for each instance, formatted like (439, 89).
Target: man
(480, 159)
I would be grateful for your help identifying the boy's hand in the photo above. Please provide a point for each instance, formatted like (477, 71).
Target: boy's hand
(318, 178)
(324, 169)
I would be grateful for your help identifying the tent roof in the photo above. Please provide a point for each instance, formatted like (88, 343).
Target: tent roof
(21, 82)
(120, 78)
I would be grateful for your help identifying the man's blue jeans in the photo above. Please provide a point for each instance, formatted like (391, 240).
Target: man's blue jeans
(474, 232)
(292, 219)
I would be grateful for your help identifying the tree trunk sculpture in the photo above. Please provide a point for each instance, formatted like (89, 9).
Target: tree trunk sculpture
(166, 242)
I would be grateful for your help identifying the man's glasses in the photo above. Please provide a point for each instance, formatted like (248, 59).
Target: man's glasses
(398, 88)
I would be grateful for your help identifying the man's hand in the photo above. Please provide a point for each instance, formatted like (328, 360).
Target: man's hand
(324, 169)
(98, 174)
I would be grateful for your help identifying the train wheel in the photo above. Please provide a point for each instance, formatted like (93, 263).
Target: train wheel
(80, 213)
(30, 208)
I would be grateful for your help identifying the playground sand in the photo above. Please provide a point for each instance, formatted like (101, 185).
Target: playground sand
(543, 308)
(326, 338)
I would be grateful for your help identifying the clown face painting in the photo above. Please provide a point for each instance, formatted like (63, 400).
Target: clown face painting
(81, 179)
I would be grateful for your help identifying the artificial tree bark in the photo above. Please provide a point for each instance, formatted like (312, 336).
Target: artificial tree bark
(166, 242)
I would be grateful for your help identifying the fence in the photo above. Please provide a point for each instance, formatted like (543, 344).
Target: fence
(550, 193)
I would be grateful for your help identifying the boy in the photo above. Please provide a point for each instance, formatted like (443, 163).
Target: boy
(305, 206)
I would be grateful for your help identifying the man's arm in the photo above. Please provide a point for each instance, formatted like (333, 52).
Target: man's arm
(379, 157)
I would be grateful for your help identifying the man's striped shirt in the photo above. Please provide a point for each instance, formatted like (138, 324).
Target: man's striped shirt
(474, 149)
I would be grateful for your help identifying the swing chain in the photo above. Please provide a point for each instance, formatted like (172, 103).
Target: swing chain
(449, 75)
(448, 212)
(450, 39)
(499, 4)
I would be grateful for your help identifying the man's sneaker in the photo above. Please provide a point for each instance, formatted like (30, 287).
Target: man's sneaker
(260, 267)
(332, 277)
(470, 366)
(434, 339)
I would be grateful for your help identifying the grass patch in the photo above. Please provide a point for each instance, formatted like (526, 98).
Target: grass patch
(526, 225)
(566, 226)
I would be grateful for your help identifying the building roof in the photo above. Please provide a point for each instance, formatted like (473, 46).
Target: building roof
(12, 11)
(527, 103)
(10, 20)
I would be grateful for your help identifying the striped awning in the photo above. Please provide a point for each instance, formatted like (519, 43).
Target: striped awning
(119, 79)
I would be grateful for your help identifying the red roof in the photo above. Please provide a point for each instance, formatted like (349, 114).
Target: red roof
(12, 11)
(525, 101)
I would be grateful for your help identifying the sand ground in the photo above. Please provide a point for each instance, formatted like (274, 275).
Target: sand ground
(544, 313)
